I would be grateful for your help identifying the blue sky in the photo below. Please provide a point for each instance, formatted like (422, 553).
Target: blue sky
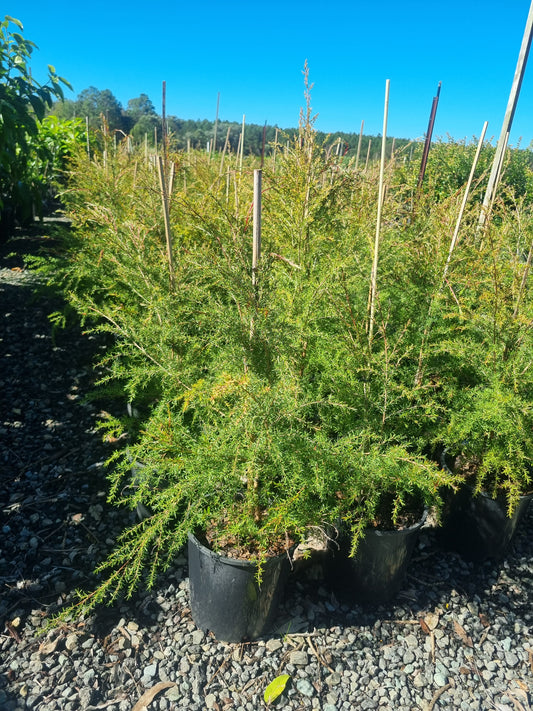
(253, 53)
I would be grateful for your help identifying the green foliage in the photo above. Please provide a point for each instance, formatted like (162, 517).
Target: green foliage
(23, 103)
(266, 407)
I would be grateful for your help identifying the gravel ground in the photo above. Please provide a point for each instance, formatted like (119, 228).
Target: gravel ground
(458, 636)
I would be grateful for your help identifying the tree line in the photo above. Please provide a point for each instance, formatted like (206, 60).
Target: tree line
(141, 121)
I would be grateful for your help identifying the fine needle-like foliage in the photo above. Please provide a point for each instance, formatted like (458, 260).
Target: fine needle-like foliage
(264, 409)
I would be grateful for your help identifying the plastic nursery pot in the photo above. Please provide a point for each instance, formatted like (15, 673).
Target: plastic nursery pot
(376, 573)
(477, 526)
(225, 596)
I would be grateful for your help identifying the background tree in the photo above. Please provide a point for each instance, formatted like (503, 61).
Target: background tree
(96, 104)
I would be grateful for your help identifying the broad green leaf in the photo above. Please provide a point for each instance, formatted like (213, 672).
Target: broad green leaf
(16, 22)
(276, 688)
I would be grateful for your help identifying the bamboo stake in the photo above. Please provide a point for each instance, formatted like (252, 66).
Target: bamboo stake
(368, 154)
(465, 198)
(224, 152)
(263, 143)
(87, 134)
(497, 163)
(374, 276)
(275, 151)
(256, 251)
(164, 125)
(171, 179)
(214, 144)
(418, 376)
(359, 144)
(242, 142)
(166, 215)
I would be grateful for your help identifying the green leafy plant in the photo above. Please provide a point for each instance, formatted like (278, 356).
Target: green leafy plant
(24, 102)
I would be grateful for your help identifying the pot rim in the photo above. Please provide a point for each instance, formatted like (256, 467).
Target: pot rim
(236, 562)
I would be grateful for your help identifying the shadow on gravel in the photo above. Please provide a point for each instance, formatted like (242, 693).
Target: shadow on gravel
(54, 521)
(437, 578)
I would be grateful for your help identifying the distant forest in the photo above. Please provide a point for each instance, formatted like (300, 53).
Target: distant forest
(140, 119)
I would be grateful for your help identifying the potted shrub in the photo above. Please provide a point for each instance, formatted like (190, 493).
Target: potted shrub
(490, 434)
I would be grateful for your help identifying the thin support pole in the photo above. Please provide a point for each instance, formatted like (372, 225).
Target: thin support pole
(256, 251)
(164, 126)
(242, 142)
(374, 276)
(214, 144)
(497, 163)
(87, 135)
(465, 198)
(429, 134)
(359, 144)
(166, 216)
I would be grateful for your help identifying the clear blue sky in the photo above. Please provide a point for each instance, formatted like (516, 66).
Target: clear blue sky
(253, 54)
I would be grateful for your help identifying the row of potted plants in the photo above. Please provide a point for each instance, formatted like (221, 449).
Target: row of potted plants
(280, 405)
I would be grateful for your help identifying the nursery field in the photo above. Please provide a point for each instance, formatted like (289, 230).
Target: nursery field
(456, 635)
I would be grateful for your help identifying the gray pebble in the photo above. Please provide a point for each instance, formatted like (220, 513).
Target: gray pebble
(305, 687)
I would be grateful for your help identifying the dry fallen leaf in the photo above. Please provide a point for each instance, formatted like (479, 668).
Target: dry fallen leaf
(49, 647)
(465, 670)
(460, 632)
(149, 695)
(431, 620)
(484, 620)
(423, 624)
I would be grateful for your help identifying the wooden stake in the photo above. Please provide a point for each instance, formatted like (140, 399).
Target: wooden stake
(164, 125)
(214, 144)
(374, 276)
(465, 198)
(87, 134)
(359, 145)
(497, 163)
(368, 154)
(166, 215)
(171, 177)
(256, 250)
(226, 143)
(242, 142)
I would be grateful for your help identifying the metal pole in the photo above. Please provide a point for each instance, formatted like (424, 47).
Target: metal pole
(429, 134)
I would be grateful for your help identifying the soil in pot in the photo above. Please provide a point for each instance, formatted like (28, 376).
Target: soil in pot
(226, 598)
(478, 527)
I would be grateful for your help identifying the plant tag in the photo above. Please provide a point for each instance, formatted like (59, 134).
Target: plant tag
(276, 688)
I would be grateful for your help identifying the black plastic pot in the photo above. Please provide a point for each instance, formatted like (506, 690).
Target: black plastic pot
(225, 596)
(376, 573)
(477, 527)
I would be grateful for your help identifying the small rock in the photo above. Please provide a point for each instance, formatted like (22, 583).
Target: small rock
(333, 679)
(197, 637)
(273, 645)
(299, 658)
(151, 670)
(305, 687)
(210, 701)
(511, 659)
(439, 679)
(71, 642)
